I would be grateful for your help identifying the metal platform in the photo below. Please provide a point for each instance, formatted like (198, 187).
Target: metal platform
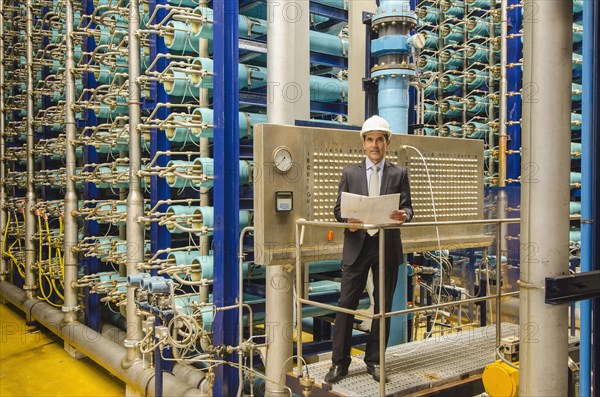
(420, 365)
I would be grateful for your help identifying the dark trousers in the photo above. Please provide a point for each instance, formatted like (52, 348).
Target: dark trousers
(354, 280)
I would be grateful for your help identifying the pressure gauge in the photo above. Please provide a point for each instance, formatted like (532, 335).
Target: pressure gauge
(282, 158)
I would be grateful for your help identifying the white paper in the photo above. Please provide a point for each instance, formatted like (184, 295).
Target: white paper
(374, 210)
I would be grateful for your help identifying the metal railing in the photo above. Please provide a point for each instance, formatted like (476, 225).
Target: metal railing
(301, 224)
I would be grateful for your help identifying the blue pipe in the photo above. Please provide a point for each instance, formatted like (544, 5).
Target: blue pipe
(226, 191)
(585, 315)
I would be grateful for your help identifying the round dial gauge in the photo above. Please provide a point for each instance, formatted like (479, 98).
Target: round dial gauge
(282, 159)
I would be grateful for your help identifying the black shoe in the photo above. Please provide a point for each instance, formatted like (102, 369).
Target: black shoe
(336, 373)
(376, 372)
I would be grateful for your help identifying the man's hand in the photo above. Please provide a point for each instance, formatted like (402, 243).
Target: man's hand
(353, 220)
(399, 216)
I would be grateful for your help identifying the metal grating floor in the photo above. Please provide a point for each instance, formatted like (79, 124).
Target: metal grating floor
(422, 364)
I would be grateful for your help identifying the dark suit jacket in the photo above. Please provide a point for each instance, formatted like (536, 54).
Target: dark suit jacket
(354, 180)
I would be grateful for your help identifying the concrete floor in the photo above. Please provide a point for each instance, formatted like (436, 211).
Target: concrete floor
(34, 364)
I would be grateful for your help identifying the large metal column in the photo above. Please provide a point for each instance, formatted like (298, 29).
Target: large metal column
(135, 198)
(226, 189)
(545, 193)
(71, 228)
(30, 197)
(281, 53)
(3, 266)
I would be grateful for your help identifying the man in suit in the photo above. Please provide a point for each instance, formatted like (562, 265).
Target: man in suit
(371, 177)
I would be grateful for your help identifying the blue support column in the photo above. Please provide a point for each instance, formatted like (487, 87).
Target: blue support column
(226, 185)
(160, 238)
(91, 228)
(514, 76)
(589, 174)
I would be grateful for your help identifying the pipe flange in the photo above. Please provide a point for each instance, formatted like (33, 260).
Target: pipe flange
(393, 69)
(29, 287)
(410, 19)
(130, 343)
(70, 309)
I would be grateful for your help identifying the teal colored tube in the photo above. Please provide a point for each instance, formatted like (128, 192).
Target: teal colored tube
(179, 37)
(575, 236)
(203, 216)
(251, 28)
(476, 79)
(431, 40)
(576, 91)
(177, 133)
(575, 177)
(453, 33)
(480, 3)
(122, 143)
(183, 214)
(575, 207)
(431, 89)
(575, 150)
(431, 113)
(182, 167)
(478, 53)
(452, 59)
(322, 89)
(577, 62)
(577, 33)
(476, 130)
(451, 83)
(105, 171)
(428, 63)
(451, 108)
(206, 117)
(454, 9)
(477, 105)
(476, 26)
(429, 15)
(104, 111)
(451, 130)
(576, 121)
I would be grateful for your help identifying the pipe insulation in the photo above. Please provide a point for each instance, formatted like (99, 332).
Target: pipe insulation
(547, 49)
(99, 348)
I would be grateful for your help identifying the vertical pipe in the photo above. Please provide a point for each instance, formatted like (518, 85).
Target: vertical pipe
(71, 228)
(30, 198)
(135, 199)
(279, 295)
(587, 215)
(226, 185)
(3, 266)
(382, 324)
(547, 27)
(204, 102)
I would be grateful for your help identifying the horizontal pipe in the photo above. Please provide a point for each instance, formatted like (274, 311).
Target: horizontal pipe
(102, 350)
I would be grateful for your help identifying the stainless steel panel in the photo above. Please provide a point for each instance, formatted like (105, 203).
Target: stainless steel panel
(455, 167)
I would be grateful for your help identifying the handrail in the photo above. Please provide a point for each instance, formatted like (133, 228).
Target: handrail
(300, 272)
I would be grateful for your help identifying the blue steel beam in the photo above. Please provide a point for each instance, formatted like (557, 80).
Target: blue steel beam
(90, 228)
(226, 185)
(589, 173)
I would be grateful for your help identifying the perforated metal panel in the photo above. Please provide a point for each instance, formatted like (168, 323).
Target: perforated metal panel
(319, 155)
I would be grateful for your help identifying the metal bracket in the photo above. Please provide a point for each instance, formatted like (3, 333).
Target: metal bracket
(572, 287)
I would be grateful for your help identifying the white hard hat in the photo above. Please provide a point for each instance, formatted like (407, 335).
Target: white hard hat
(375, 123)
